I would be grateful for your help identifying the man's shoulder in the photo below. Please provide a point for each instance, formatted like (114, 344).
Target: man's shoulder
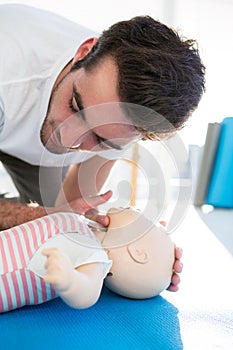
(21, 16)
(36, 40)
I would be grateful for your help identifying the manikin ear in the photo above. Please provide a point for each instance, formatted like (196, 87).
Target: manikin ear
(84, 49)
(140, 255)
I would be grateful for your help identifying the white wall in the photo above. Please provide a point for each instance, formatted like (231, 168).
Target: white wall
(211, 23)
(98, 14)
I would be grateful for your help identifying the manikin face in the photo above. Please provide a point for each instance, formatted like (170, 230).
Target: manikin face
(100, 126)
(142, 255)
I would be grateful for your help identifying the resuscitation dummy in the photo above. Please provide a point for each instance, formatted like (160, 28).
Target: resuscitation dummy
(59, 255)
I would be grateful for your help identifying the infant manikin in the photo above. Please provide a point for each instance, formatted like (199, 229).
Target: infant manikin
(58, 255)
(142, 255)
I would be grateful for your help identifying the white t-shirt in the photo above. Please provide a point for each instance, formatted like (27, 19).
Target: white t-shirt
(35, 46)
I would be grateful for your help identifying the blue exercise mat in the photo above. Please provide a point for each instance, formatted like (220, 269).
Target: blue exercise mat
(113, 323)
(220, 192)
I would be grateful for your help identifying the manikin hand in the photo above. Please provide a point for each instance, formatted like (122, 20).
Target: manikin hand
(78, 288)
(60, 272)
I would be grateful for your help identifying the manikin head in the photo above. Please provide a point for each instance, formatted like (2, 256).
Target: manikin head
(142, 255)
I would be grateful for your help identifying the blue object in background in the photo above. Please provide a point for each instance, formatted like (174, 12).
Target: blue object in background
(220, 192)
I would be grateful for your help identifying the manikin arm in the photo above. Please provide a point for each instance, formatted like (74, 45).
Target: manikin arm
(79, 288)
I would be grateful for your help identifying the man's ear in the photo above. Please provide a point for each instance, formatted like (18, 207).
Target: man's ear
(84, 49)
(138, 254)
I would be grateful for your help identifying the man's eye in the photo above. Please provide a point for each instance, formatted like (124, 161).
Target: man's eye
(73, 105)
(101, 143)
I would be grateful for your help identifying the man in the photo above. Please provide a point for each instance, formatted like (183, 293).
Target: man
(55, 78)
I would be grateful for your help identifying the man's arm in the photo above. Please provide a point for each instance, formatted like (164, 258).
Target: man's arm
(12, 214)
(85, 179)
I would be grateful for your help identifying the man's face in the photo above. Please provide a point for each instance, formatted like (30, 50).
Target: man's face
(85, 113)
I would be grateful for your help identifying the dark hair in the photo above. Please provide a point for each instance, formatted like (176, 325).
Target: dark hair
(157, 69)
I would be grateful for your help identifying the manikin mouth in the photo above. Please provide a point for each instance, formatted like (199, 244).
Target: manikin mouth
(94, 225)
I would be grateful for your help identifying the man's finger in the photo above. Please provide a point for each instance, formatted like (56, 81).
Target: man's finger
(178, 266)
(94, 201)
(178, 252)
(94, 215)
(163, 223)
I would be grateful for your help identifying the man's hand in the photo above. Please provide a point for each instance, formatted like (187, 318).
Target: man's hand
(85, 206)
(60, 272)
(177, 268)
(14, 213)
(95, 215)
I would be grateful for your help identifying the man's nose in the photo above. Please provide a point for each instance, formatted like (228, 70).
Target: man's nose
(73, 132)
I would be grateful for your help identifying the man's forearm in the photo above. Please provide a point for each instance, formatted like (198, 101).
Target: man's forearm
(84, 179)
(14, 213)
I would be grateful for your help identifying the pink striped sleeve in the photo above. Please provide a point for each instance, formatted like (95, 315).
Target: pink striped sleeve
(1, 301)
(19, 248)
(43, 290)
(26, 240)
(3, 255)
(33, 235)
(11, 250)
(16, 289)
(34, 287)
(25, 287)
(8, 293)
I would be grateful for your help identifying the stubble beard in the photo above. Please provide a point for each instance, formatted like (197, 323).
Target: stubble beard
(49, 125)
